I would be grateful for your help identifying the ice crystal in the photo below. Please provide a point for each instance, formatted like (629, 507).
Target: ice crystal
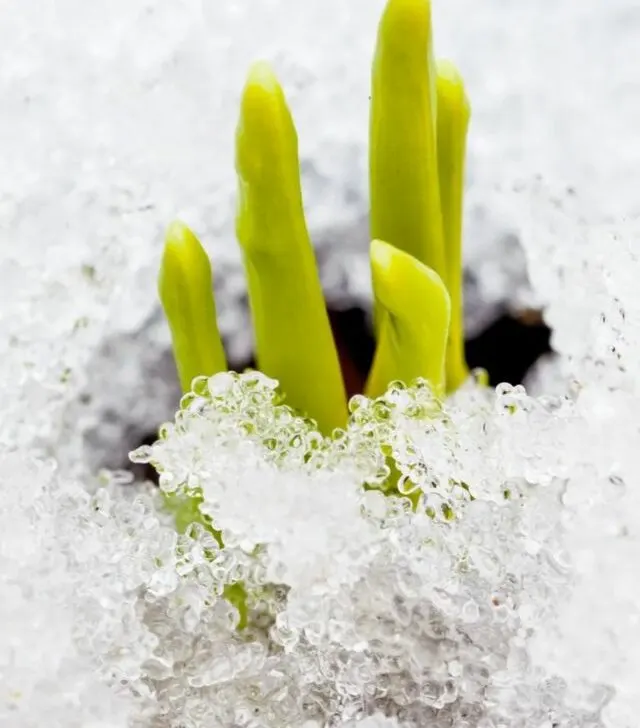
(364, 603)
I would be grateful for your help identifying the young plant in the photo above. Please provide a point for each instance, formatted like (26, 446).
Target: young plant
(417, 138)
(418, 126)
(294, 343)
(453, 122)
(403, 154)
(187, 297)
(414, 319)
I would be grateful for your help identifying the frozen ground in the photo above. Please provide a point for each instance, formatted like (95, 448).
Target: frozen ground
(118, 117)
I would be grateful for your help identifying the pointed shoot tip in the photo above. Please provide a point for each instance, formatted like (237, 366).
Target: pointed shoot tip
(412, 16)
(451, 88)
(186, 294)
(266, 139)
(401, 281)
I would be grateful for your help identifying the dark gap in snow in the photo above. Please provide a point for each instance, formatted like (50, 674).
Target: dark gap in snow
(509, 348)
(356, 346)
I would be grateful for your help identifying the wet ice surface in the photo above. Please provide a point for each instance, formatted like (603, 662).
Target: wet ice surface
(119, 117)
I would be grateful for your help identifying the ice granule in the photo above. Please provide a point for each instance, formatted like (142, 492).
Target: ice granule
(426, 617)
(69, 633)
(586, 273)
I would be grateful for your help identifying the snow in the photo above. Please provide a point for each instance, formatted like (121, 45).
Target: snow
(117, 118)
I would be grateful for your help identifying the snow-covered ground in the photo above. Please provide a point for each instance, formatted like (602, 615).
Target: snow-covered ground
(118, 117)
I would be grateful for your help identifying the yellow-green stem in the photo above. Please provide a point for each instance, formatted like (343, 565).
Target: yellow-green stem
(186, 293)
(414, 321)
(453, 122)
(403, 166)
(294, 341)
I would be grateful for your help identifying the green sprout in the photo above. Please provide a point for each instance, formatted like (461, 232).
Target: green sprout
(453, 121)
(186, 293)
(403, 153)
(414, 322)
(418, 127)
(294, 342)
(417, 139)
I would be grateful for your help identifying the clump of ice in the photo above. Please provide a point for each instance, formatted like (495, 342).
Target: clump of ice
(587, 272)
(371, 607)
(72, 640)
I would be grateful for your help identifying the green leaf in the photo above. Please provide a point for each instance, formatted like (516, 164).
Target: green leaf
(453, 122)
(294, 342)
(186, 511)
(186, 293)
(414, 323)
(403, 165)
